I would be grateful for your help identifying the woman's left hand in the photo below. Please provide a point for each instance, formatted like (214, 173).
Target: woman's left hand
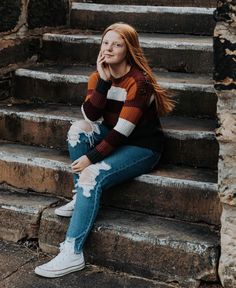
(80, 164)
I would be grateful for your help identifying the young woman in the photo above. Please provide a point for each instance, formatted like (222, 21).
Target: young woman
(127, 142)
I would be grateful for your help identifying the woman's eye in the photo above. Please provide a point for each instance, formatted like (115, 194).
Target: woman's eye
(117, 45)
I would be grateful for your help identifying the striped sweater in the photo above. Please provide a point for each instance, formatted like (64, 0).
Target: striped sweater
(127, 107)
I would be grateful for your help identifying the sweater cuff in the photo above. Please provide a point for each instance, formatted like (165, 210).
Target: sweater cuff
(94, 156)
(103, 86)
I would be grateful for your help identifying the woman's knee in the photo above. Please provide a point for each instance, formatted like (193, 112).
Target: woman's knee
(91, 177)
(77, 127)
(80, 126)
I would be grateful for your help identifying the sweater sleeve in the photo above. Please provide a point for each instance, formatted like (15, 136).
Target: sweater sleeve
(137, 100)
(96, 98)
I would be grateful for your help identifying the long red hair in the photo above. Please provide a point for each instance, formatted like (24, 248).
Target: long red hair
(135, 56)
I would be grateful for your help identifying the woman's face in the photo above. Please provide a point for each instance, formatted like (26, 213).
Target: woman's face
(113, 48)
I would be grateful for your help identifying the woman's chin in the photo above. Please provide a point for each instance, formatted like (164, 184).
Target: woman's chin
(109, 61)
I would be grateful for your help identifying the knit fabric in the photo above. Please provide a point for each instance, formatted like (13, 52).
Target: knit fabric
(126, 106)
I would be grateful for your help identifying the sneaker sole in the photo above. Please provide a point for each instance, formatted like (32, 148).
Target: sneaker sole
(63, 213)
(55, 274)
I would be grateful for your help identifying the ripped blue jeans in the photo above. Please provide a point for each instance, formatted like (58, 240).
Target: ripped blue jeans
(124, 163)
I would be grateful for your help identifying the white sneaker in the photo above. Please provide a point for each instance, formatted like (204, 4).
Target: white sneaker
(64, 263)
(66, 210)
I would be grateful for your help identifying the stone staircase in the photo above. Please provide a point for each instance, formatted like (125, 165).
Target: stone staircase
(161, 226)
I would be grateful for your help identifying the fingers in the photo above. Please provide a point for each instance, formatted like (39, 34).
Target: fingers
(102, 67)
(101, 58)
(76, 168)
(80, 164)
(75, 162)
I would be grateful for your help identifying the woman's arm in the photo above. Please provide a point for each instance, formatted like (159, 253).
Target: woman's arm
(96, 98)
(98, 85)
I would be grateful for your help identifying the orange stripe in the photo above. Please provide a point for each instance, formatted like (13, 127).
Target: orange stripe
(132, 89)
(92, 83)
(131, 114)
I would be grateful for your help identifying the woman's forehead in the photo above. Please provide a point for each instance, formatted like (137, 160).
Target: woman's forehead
(113, 35)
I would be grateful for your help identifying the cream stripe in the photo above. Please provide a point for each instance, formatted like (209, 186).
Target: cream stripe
(117, 93)
(84, 114)
(86, 118)
(124, 127)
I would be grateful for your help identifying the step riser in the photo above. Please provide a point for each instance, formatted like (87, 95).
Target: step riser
(189, 102)
(49, 91)
(36, 178)
(182, 3)
(18, 51)
(190, 152)
(53, 134)
(180, 200)
(176, 60)
(174, 200)
(20, 214)
(201, 24)
(127, 253)
(15, 226)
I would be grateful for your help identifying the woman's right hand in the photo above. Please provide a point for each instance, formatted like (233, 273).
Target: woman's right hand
(103, 68)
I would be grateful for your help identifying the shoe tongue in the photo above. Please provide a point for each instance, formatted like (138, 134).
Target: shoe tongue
(69, 244)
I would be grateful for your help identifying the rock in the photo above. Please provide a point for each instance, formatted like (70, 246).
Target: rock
(227, 270)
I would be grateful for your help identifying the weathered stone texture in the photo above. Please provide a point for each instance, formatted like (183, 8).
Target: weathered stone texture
(132, 241)
(20, 214)
(10, 11)
(227, 173)
(227, 269)
(225, 77)
(225, 56)
(17, 265)
(47, 13)
(17, 50)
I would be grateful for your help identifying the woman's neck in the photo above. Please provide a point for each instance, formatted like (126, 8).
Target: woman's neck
(119, 70)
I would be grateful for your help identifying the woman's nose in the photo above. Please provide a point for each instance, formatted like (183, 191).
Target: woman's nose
(109, 47)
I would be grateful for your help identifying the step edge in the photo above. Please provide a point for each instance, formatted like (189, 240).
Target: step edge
(169, 133)
(35, 161)
(141, 8)
(145, 178)
(156, 43)
(78, 79)
(165, 181)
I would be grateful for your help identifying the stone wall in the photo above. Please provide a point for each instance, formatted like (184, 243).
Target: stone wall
(22, 23)
(225, 84)
(14, 14)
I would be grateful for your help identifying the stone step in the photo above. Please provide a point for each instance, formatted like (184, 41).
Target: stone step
(180, 3)
(141, 235)
(17, 263)
(189, 141)
(176, 53)
(179, 192)
(68, 84)
(147, 246)
(20, 213)
(162, 19)
(19, 50)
